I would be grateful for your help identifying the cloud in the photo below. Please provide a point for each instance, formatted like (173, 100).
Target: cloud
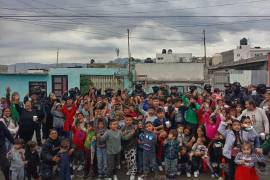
(79, 39)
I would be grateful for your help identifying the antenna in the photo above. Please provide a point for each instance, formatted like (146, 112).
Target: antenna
(117, 50)
(57, 57)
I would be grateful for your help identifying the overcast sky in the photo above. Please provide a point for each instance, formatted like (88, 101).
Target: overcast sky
(79, 39)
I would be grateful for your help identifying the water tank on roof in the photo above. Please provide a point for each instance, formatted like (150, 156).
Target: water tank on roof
(164, 51)
(243, 41)
(169, 51)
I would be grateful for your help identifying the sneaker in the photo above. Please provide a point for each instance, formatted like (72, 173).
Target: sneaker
(220, 178)
(115, 177)
(141, 177)
(178, 173)
(128, 173)
(213, 175)
(71, 176)
(188, 175)
(160, 168)
(80, 168)
(74, 167)
(132, 177)
(196, 174)
(216, 175)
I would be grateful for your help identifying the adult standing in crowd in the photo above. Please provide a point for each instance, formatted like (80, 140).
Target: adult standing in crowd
(27, 121)
(4, 163)
(258, 117)
(47, 122)
(49, 155)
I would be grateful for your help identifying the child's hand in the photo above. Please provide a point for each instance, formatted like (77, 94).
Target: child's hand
(55, 158)
(170, 136)
(259, 151)
(242, 162)
(70, 152)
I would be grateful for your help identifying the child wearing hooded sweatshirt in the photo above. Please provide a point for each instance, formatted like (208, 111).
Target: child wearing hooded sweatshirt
(240, 132)
(113, 138)
(58, 118)
(79, 136)
(101, 149)
(89, 152)
(17, 160)
(148, 141)
(171, 147)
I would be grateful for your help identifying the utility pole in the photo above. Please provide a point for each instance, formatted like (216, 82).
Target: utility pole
(205, 58)
(57, 57)
(129, 58)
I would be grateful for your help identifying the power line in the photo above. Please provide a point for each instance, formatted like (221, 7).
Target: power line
(133, 16)
(140, 12)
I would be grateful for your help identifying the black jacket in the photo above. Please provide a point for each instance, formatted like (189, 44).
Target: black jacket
(50, 149)
(32, 158)
(4, 134)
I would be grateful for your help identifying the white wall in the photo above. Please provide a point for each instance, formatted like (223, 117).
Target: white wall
(244, 77)
(173, 58)
(241, 52)
(172, 72)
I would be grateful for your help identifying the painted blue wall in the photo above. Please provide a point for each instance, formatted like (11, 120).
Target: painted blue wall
(20, 82)
(74, 74)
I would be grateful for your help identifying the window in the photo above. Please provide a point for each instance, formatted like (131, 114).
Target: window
(59, 84)
(38, 87)
(160, 58)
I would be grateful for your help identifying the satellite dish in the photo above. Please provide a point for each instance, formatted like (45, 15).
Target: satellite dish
(92, 61)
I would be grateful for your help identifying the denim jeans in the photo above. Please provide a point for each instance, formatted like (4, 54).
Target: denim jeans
(149, 162)
(102, 161)
(171, 166)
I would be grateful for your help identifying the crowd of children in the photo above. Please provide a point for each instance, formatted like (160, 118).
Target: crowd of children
(164, 133)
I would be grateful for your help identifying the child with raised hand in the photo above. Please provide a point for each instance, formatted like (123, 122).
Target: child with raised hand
(130, 147)
(79, 136)
(148, 141)
(239, 133)
(215, 153)
(64, 160)
(113, 138)
(198, 153)
(17, 160)
(184, 163)
(171, 147)
(101, 149)
(89, 149)
(33, 160)
(246, 161)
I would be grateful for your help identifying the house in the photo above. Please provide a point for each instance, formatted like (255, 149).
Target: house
(60, 80)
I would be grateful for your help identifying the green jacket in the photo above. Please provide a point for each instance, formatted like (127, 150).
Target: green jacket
(191, 114)
(14, 113)
(89, 139)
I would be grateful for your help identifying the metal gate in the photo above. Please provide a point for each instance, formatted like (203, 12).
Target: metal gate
(101, 82)
(219, 78)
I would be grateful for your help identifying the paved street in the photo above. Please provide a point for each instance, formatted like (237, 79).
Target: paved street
(121, 176)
